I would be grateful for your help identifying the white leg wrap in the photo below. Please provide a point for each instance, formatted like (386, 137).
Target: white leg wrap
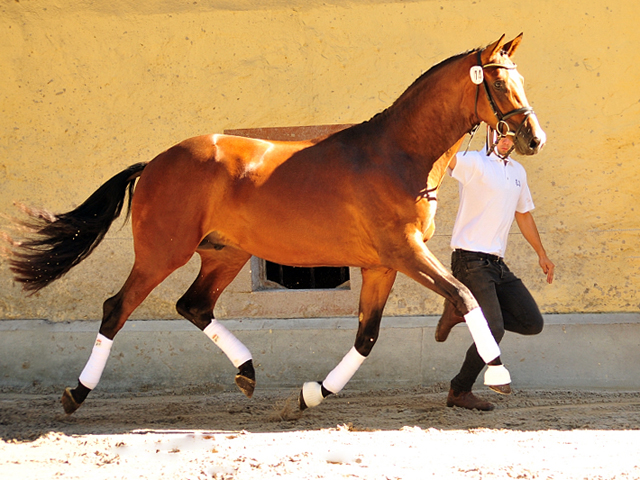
(92, 372)
(228, 343)
(339, 376)
(487, 346)
(497, 375)
(312, 394)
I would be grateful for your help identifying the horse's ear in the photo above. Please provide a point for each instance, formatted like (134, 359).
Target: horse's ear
(510, 48)
(492, 49)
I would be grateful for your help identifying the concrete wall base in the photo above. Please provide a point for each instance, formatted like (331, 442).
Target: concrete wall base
(585, 351)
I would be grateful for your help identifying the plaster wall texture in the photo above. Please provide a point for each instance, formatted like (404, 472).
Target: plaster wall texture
(92, 87)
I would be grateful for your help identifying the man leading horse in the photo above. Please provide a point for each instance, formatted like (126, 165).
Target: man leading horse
(493, 191)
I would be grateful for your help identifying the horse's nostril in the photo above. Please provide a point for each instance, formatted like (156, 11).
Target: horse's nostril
(535, 143)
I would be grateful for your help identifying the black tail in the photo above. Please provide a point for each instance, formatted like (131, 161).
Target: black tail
(63, 241)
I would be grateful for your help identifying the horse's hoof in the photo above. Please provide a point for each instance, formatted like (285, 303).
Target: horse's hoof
(497, 376)
(246, 385)
(68, 402)
(501, 389)
(310, 395)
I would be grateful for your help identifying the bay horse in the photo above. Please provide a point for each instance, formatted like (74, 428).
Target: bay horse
(363, 197)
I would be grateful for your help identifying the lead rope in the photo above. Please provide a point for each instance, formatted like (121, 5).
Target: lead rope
(472, 134)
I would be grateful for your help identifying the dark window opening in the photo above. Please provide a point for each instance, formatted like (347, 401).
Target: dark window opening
(306, 278)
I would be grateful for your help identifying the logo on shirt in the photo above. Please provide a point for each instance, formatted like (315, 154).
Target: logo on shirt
(518, 184)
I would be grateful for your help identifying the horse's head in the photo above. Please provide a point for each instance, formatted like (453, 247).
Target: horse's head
(505, 107)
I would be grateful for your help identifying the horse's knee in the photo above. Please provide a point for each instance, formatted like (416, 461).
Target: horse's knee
(463, 300)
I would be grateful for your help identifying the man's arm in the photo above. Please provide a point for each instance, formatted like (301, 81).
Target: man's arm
(453, 162)
(527, 226)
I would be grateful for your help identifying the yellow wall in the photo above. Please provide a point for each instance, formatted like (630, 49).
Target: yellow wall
(91, 87)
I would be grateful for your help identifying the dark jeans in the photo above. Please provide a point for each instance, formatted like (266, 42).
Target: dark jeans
(505, 302)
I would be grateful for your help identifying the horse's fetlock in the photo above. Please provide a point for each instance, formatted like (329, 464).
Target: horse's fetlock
(366, 346)
(247, 370)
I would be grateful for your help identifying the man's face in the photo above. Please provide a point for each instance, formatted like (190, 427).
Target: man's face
(504, 145)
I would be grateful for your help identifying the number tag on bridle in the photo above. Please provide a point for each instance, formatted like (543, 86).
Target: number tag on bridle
(477, 74)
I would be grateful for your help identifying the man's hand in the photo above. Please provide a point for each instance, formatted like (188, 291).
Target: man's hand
(547, 267)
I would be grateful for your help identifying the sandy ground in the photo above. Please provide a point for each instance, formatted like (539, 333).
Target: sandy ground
(389, 434)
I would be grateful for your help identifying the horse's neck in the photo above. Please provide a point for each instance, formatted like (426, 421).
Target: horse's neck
(435, 116)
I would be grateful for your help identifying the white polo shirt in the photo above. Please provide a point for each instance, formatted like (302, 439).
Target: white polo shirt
(490, 194)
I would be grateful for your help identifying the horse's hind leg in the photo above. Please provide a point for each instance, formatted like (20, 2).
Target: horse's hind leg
(157, 256)
(116, 311)
(218, 269)
(376, 286)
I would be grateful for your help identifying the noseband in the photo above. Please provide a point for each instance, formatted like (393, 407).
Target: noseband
(502, 128)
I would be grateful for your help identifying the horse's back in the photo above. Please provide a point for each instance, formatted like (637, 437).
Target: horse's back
(300, 203)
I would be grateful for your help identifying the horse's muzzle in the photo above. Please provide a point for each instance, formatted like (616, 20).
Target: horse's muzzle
(530, 138)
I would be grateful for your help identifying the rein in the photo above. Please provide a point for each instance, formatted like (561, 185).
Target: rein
(502, 128)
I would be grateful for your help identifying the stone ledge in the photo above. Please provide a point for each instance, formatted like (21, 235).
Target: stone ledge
(573, 351)
(330, 323)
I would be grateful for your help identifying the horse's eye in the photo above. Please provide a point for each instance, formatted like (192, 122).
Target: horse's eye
(498, 85)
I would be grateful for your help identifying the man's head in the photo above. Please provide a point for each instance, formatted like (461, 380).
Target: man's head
(501, 146)
(504, 145)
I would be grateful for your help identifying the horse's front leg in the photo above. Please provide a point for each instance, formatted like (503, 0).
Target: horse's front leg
(376, 285)
(421, 265)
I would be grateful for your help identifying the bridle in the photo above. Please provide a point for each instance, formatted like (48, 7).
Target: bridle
(502, 127)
